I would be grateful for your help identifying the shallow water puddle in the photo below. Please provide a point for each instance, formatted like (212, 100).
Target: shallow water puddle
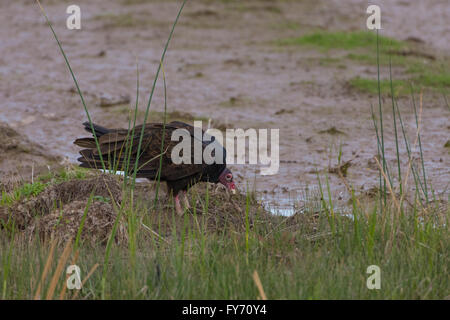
(280, 210)
(302, 201)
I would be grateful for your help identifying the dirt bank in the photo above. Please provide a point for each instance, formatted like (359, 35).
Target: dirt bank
(21, 158)
(61, 208)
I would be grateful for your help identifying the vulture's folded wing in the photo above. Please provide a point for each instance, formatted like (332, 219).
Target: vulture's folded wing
(119, 147)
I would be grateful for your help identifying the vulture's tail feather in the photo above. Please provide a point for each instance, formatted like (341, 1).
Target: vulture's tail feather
(99, 130)
(85, 142)
(89, 159)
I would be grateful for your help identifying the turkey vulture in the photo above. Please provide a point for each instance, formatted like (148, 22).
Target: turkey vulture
(118, 145)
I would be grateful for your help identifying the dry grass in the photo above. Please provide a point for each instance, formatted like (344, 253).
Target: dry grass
(58, 210)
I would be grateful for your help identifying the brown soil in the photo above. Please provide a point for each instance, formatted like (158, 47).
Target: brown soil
(20, 157)
(222, 64)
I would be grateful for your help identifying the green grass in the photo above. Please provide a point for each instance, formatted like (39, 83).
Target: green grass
(434, 80)
(371, 59)
(304, 260)
(402, 87)
(339, 40)
(370, 86)
(419, 70)
(434, 74)
(64, 174)
(25, 191)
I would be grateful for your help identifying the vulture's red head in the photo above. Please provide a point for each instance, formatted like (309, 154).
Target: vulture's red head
(226, 178)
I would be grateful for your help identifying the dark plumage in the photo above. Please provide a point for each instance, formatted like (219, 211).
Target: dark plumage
(115, 143)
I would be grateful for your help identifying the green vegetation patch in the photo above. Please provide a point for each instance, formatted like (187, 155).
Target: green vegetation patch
(28, 190)
(371, 86)
(23, 192)
(401, 87)
(342, 40)
(419, 67)
(212, 255)
(434, 80)
(371, 59)
(65, 174)
(422, 68)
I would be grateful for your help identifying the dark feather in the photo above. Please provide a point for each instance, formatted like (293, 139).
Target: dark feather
(117, 145)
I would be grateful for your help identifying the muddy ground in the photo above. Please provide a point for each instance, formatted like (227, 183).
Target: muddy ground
(222, 64)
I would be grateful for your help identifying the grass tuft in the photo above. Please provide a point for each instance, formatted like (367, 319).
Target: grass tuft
(400, 87)
(339, 40)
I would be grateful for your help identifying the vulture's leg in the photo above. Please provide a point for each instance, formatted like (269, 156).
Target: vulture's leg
(186, 200)
(178, 205)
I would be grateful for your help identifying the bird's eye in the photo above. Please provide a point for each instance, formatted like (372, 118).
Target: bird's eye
(229, 177)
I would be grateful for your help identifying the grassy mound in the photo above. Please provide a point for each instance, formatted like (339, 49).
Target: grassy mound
(91, 204)
(59, 208)
(147, 251)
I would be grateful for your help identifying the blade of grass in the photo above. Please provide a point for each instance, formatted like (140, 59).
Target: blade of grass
(419, 140)
(59, 269)
(162, 138)
(379, 154)
(86, 279)
(411, 165)
(394, 199)
(64, 287)
(445, 100)
(380, 107)
(141, 137)
(134, 123)
(259, 285)
(247, 224)
(47, 267)
(76, 83)
(7, 262)
(395, 127)
(111, 238)
(83, 219)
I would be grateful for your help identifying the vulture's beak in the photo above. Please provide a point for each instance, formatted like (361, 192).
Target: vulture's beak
(232, 187)
(226, 178)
